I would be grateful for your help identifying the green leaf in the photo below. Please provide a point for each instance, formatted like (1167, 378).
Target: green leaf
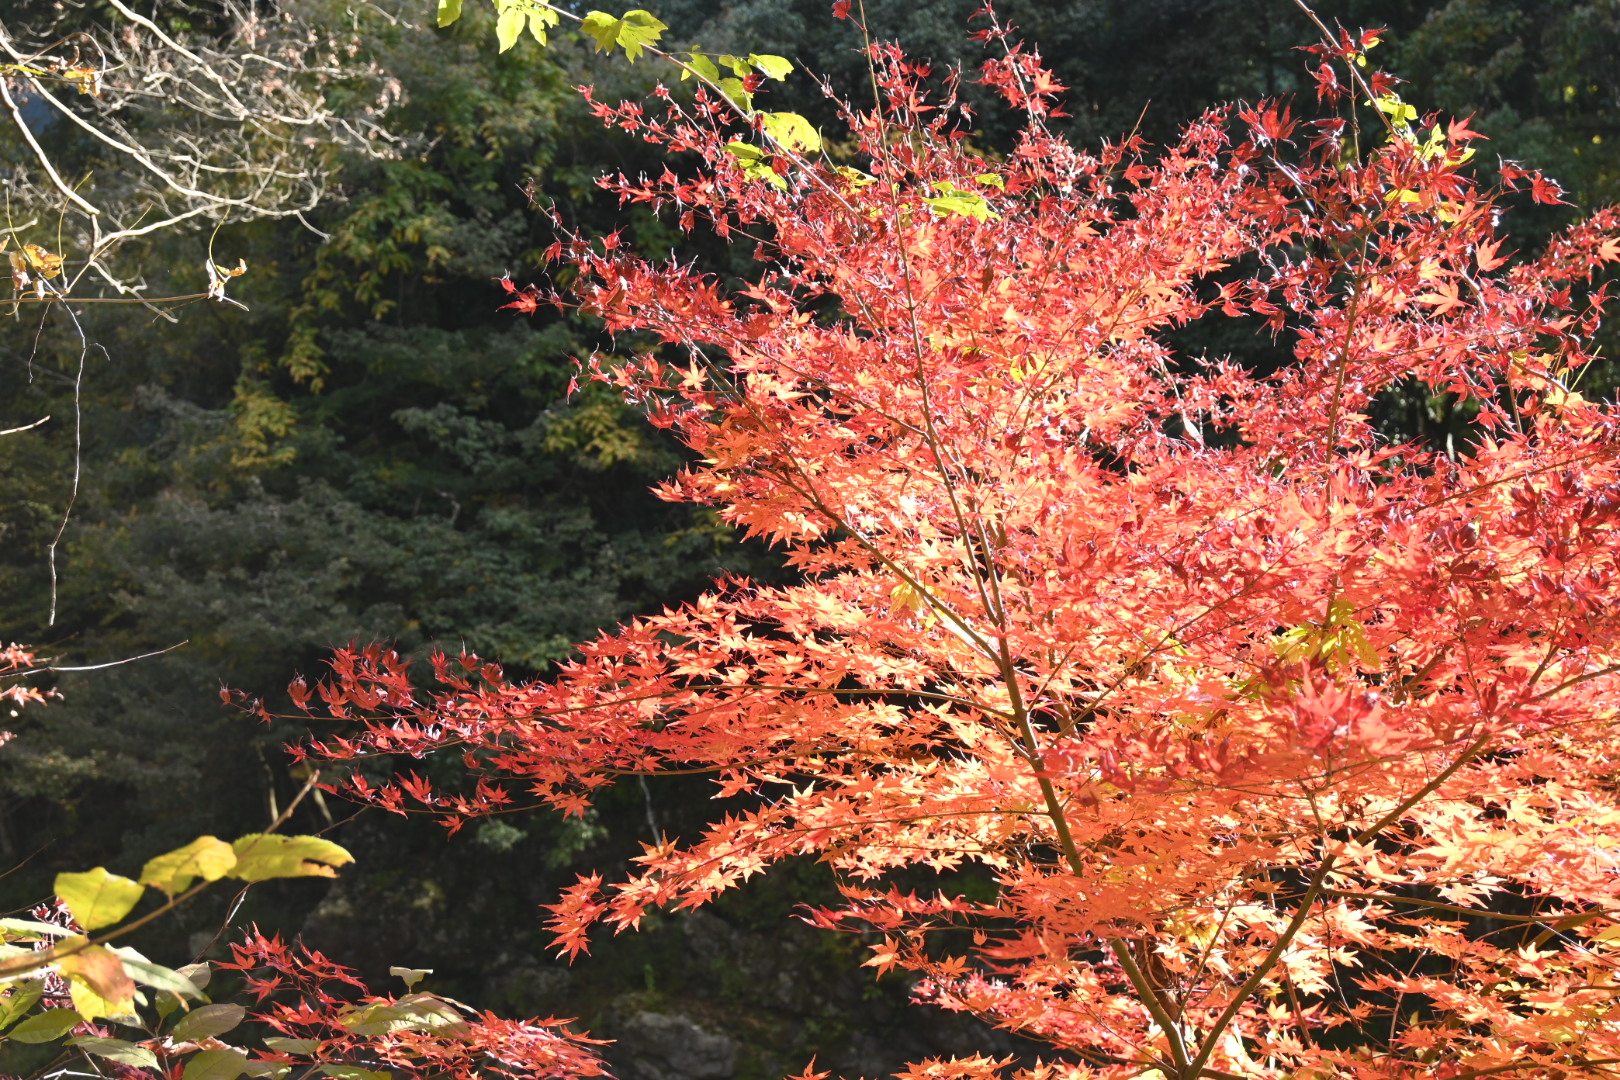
(97, 982)
(275, 1070)
(703, 66)
(48, 1026)
(119, 1050)
(541, 20)
(509, 25)
(603, 27)
(737, 94)
(418, 1012)
(990, 179)
(955, 202)
(449, 11)
(96, 897)
(774, 67)
(791, 131)
(262, 856)
(207, 1022)
(224, 1064)
(412, 976)
(354, 1072)
(756, 164)
(292, 1046)
(199, 974)
(637, 30)
(157, 976)
(27, 928)
(18, 999)
(206, 857)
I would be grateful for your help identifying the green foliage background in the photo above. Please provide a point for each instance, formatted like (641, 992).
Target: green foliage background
(374, 452)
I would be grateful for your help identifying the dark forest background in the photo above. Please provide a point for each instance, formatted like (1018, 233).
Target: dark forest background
(375, 452)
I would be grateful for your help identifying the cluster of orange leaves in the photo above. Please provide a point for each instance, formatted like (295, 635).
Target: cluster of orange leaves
(1290, 749)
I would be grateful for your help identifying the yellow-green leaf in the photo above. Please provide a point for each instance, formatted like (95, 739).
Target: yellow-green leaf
(96, 897)
(353, 1072)
(262, 856)
(224, 1064)
(791, 131)
(603, 28)
(637, 30)
(48, 1026)
(119, 1050)
(508, 26)
(737, 94)
(18, 998)
(208, 1021)
(206, 857)
(956, 202)
(449, 11)
(541, 20)
(774, 67)
(97, 982)
(700, 65)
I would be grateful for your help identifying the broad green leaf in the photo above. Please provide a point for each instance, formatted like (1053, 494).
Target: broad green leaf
(791, 131)
(449, 11)
(208, 1021)
(991, 179)
(354, 1072)
(541, 20)
(737, 94)
(603, 28)
(223, 1064)
(755, 164)
(412, 976)
(27, 928)
(773, 67)
(119, 1050)
(509, 25)
(18, 999)
(98, 898)
(418, 1012)
(48, 1026)
(157, 976)
(637, 30)
(262, 856)
(275, 1070)
(703, 66)
(292, 1046)
(206, 857)
(97, 982)
(953, 201)
(198, 974)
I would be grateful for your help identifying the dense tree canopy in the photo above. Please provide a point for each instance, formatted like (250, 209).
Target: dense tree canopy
(374, 452)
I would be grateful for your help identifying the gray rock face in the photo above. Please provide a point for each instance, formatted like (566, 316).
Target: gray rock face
(668, 1046)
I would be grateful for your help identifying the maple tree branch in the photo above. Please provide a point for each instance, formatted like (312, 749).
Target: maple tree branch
(1313, 891)
(1389, 898)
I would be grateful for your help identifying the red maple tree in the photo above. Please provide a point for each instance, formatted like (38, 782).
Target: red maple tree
(1291, 748)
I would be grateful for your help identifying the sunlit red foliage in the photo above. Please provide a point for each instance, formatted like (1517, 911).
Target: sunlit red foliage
(1291, 748)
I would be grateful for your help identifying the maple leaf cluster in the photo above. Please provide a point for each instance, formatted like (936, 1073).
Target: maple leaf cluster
(1290, 747)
